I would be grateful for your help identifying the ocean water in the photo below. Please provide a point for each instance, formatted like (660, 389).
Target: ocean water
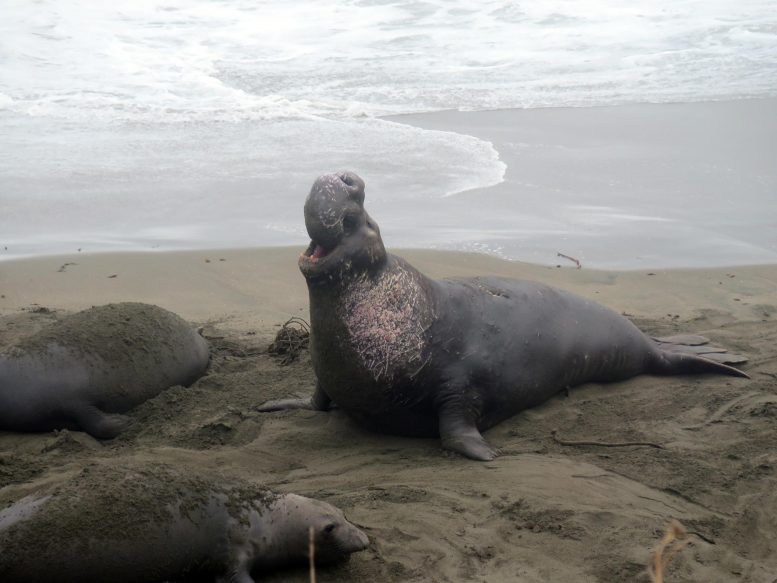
(183, 124)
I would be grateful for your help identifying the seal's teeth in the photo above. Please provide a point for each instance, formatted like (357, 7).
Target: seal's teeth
(319, 252)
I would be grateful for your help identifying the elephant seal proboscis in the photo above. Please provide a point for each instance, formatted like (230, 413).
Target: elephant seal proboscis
(85, 369)
(153, 522)
(404, 354)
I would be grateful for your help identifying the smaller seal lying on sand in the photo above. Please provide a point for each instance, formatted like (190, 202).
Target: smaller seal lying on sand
(402, 353)
(155, 523)
(81, 370)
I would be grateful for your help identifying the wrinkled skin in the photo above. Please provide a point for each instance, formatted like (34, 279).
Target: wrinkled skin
(404, 354)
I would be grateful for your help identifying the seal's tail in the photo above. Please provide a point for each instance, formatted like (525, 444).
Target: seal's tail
(670, 363)
(693, 354)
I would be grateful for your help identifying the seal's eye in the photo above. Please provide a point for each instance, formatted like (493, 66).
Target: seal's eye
(329, 528)
(350, 223)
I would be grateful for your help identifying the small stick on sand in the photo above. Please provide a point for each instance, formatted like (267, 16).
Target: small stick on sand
(572, 259)
(674, 540)
(560, 441)
(312, 554)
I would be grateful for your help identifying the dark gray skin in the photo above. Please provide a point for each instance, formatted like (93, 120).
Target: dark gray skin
(404, 354)
(85, 369)
(160, 527)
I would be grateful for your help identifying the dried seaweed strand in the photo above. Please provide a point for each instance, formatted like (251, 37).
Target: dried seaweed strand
(560, 441)
(292, 338)
(575, 261)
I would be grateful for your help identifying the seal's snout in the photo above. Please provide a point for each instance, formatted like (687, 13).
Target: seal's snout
(361, 540)
(355, 186)
(332, 198)
(342, 235)
(340, 539)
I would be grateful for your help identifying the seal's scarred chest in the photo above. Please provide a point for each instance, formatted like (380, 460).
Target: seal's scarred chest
(386, 318)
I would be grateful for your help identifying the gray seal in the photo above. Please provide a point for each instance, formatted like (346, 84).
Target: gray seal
(85, 369)
(404, 354)
(156, 523)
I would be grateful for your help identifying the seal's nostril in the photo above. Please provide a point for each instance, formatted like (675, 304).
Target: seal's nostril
(347, 179)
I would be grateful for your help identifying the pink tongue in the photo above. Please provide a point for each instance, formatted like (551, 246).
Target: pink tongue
(319, 252)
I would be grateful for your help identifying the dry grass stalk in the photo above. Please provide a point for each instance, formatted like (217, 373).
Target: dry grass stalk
(674, 540)
(312, 553)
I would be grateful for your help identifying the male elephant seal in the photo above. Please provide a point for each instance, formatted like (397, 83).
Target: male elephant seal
(405, 354)
(82, 370)
(155, 523)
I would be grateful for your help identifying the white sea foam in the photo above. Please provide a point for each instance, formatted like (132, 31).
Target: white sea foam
(241, 59)
(113, 115)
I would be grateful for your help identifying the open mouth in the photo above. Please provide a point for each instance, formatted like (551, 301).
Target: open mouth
(318, 252)
(315, 253)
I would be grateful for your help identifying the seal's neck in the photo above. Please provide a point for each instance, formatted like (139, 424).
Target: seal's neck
(332, 289)
(277, 535)
(374, 324)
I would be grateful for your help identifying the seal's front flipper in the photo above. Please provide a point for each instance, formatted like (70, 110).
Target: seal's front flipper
(240, 563)
(320, 401)
(459, 433)
(97, 423)
(239, 575)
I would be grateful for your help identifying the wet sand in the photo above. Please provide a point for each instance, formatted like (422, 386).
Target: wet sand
(541, 512)
(619, 187)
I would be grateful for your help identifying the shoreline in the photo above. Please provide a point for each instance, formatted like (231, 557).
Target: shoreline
(628, 186)
(265, 284)
(631, 186)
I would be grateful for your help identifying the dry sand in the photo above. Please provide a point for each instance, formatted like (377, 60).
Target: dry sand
(542, 512)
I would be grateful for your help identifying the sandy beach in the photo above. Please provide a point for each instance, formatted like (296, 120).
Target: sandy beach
(161, 151)
(541, 512)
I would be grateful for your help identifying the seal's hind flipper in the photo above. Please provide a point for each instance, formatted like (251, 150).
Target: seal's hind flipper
(703, 349)
(698, 345)
(286, 405)
(97, 423)
(725, 357)
(675, 362)
(684, 339)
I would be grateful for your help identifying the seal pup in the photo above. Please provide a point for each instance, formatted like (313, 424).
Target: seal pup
(404, 354)
(155, 523)
(87, 367)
